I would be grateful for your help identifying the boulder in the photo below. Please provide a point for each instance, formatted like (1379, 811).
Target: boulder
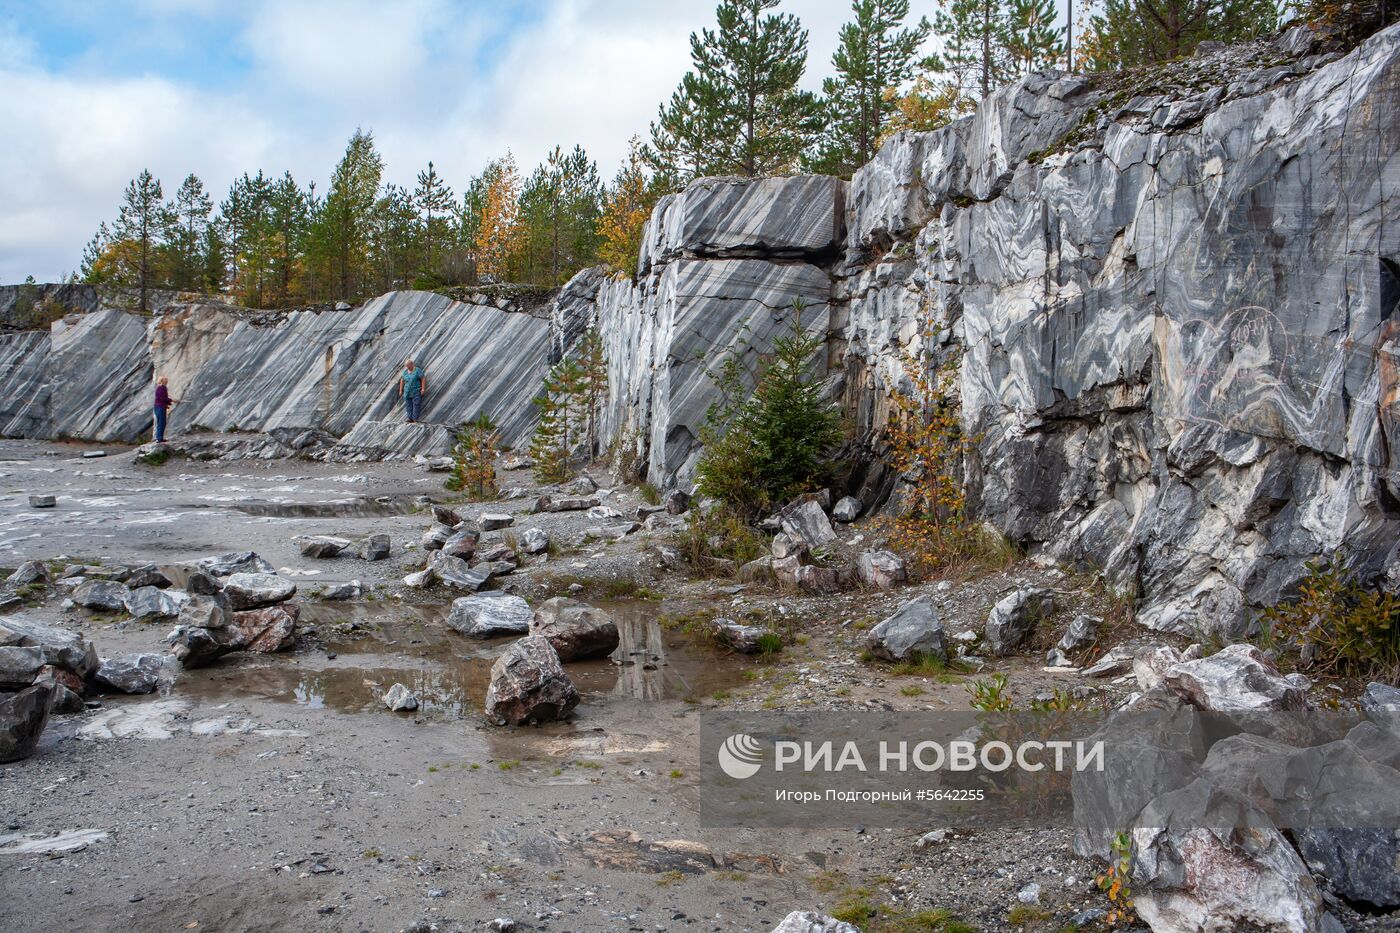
(785, 546)
(375, 547)
(446, 516)
(195, 646)
(19, 665)
(574, 629)
(500, 551)
(60, 647)
(847, 509)
(147, 603)
(1150, 665)
(1117, 660)
(214, 611)
(225, 565)
(490, 616)
(1014, 617)
(883, 570)
(604, 513)
(461, 544)
(676, 502)
(1205, 860)
(456, 573)
(915, 631)
(808, 921)
(42, 502)
(1381, 699)
(339, 592)
(67, 701)
(102, 596)
(203, 584)
(565, 503)
(534, 541)
(29, 573)
(805, 521)
(1080, 634)
(267, 630)
(1237, 679)
(23, 716)
(320, 546)
(149, 575)
(492, 521)
(61, 675)
(818, 581)
(256, 590)
(741, 638)
(133, 673)
(400, 699)
(435, 537)
(528, 684)
(757, 571)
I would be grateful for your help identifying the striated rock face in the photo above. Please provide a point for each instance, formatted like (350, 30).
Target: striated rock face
(92, 375)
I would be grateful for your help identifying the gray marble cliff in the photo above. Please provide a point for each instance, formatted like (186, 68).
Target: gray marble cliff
(1173, 305)
(1171, 301)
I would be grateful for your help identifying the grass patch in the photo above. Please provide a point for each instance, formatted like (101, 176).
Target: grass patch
(156, 457)
(1023, 915)
(913, 690)
(670, 878)
(509, 765)
(649, 493)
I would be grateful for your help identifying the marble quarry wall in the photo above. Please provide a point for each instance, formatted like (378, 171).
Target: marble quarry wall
(1172, 301)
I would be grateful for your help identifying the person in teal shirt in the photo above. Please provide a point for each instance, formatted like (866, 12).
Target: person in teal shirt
(413, 385)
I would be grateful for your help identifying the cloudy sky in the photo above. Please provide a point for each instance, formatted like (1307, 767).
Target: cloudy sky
(92, 92)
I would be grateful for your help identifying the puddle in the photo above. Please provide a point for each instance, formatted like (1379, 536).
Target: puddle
(450, 673)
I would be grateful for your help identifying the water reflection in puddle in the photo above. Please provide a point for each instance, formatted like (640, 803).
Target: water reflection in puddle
(450, 673)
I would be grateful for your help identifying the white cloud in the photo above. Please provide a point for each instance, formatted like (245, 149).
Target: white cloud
(433, 80)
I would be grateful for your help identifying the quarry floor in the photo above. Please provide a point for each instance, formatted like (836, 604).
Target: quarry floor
(274, 792)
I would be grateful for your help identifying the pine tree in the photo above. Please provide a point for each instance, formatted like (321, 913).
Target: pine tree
(393, 239)
(773, 445)
(345, 219)
(142, 221)
(739, 111)
(973, 34)
(876, 55)
(474, 459)
(593, 360)
(247, 218)
(1132, 33)
(287, 220)
(1033, 42)
(500, 235)
(189, 233)
(626, 207)
(559, 208)
(434, 198)
(561, 404)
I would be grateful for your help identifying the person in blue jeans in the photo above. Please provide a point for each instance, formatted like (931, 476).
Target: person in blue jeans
(163, 403)
(413, 385)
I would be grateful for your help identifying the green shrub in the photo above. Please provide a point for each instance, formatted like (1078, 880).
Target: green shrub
(1338, 626)
(772, 445)
(713, 537)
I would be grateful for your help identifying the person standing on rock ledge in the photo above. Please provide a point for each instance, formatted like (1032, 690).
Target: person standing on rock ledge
(163, 402)
(413, 385)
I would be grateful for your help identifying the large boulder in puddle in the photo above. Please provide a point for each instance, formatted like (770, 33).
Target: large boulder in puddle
(60, 647)
(148, 603)
(267, 630)
(809, 921)
(1014, 618)
(133, 673)
(102, 596)
(23, 716)
(1236, 679)
(226, 565)
(490, 616)
(576, 630)
(256, 590)
(528, 684)
(915, 631)
(196, 646)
